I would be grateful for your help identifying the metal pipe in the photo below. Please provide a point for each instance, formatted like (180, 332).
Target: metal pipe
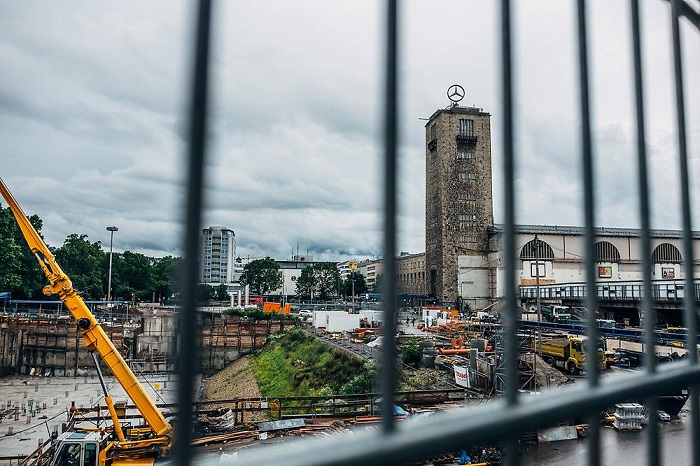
(690, 311)
(187, 354)
(589, 229)
(111, 231)
(388, 370)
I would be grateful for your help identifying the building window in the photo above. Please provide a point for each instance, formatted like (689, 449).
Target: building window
(666, 253)
(466, 196)
(467, 217)
(432, 143)
(606, 252)
(465, 176)
(468, 239)
(463, 153)
(466, 127)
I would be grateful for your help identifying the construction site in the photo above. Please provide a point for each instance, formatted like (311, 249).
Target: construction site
(52, 346)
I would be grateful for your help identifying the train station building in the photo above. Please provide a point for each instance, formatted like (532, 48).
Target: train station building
(463, 258)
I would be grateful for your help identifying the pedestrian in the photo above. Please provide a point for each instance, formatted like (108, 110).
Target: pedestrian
(413, 321)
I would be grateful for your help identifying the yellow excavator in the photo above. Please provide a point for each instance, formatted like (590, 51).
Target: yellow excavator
(114, 446)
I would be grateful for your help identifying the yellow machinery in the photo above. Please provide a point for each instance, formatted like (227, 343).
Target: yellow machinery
(137, 446)
(567, 352)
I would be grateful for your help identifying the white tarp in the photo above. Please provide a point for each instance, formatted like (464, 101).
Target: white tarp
(462, 376)
(341, 322)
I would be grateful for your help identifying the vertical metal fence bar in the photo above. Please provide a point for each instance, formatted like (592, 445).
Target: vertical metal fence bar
(688, 262)
(647, 302)
(589, 231)
(509, 324)
(388, 372)
(189, 337)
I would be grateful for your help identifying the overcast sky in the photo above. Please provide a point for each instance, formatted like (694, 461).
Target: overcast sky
(93, 99)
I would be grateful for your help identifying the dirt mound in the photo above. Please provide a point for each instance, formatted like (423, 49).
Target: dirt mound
(234, 381)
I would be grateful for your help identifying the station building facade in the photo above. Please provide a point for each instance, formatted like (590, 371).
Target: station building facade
(553, 258)
(463, 247)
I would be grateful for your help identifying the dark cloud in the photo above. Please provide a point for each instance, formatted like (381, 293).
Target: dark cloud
(93, 117)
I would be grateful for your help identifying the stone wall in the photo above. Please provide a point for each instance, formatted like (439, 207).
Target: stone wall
(54, 347)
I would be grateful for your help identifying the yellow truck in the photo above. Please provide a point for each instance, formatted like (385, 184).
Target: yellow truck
(568, 353)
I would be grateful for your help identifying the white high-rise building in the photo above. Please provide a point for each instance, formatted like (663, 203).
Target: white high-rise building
(217, 253)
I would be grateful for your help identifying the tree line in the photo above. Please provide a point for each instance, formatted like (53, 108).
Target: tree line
(320, 280)
(136, 277)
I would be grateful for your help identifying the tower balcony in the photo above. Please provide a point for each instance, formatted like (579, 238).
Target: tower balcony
(463, 138)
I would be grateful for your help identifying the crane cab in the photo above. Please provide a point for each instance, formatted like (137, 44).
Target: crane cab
(78, 449)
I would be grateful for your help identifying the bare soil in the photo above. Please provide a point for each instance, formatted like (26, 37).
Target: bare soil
(234, 381)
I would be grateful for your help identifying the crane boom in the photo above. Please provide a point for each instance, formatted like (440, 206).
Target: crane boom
(94, 336)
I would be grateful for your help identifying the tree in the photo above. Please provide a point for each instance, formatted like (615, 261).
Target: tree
(320, 279)
(221, 293)
(327, 276)
(262, 275)
(359, 281)
(10, 253)
(205, 293)
(132, 273)
(19, 274)
(166, 276)
(83, 262)
(306, 283)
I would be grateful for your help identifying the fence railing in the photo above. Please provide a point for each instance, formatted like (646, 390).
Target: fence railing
(502, 421)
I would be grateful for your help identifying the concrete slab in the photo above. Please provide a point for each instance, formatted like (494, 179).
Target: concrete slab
(33, 407)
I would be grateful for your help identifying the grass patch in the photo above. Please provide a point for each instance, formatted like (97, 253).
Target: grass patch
(297, 364)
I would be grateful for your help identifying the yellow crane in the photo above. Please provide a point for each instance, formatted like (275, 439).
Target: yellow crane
(134, 446)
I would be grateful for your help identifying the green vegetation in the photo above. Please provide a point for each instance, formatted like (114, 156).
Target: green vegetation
(355, 283)
(262, 275)
(258, 314)
(320, 280)
(19, 274)
(134, 276)
(411, 352)
(297, 364)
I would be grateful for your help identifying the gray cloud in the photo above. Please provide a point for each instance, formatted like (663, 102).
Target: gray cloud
(93, 101)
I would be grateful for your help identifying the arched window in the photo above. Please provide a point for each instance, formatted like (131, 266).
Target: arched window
(529, 251)
(666, 253)
(606, 252)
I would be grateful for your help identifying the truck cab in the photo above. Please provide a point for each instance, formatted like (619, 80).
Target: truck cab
(78, 449)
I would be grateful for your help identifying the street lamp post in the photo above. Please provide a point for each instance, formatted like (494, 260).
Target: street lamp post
(111, 231)
(353, 268)
(537, 288)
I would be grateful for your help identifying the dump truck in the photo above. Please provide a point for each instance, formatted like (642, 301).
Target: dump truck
(568, 353)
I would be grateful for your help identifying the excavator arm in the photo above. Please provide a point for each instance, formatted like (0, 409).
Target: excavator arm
(94, 336)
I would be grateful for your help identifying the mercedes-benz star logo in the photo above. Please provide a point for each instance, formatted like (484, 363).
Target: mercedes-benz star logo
(455, 93)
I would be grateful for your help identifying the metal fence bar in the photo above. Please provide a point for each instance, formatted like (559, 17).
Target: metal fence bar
(189, 338)
(453, 430)
(647, 301)
(589, 232)
(505, 419)
(509, 324)
(388, 370)
(687, 242)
